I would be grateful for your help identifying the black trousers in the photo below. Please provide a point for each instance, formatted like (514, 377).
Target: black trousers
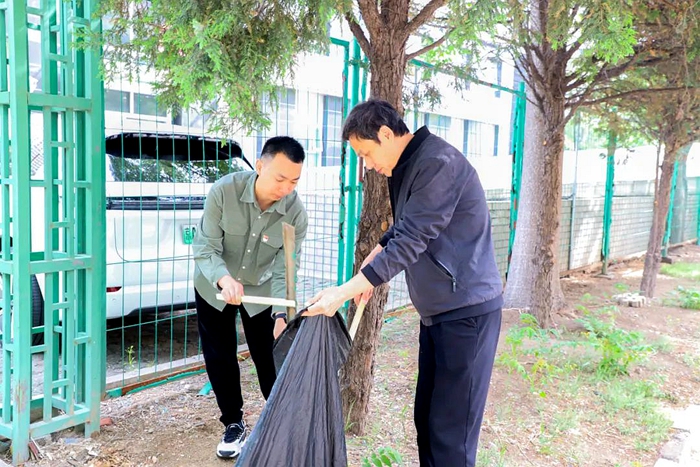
(454, 371)
(217, 332)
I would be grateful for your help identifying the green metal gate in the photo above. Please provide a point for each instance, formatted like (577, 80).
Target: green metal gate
(52, 203)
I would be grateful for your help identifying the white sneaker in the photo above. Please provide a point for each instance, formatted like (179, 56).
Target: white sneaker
(233, 440)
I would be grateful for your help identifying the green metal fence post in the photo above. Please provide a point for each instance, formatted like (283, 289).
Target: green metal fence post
(608, 206)
(574, 191)
(71, 186)
(343, 224)
(352, 185)
(96, 221)
(669, 217)
(21, 376)
(518, 147)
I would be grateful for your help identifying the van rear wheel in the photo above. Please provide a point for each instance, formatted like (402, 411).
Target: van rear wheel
(37, 311)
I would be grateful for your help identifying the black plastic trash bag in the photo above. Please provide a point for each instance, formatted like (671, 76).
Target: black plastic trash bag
(302, 422)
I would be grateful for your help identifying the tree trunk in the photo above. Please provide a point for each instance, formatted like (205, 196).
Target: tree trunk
(662, 200)
(388, 65)
(533, 278)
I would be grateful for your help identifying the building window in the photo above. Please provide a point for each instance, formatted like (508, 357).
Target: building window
(332, 130)
(117, 101)
(438, 124)
(480, 139)
(281, 119)
(496, 129)
(499, 76)
(145, 104)
(191, 118)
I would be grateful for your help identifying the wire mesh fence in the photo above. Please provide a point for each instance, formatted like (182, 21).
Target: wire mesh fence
(160, 164)
(144, 342)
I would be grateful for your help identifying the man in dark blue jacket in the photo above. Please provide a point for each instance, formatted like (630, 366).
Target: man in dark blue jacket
(441, 238)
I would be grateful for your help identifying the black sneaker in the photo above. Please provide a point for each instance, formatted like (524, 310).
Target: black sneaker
(233, 440)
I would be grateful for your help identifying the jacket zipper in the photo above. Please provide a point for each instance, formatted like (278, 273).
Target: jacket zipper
(444, 269)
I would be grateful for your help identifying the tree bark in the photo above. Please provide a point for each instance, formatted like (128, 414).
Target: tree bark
(662, 199)
(357, 375)
(533, 278)
(387, 68)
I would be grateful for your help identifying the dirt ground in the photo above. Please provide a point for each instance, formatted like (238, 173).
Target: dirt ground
(171, 425)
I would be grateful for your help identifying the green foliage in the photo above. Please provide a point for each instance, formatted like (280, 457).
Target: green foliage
(688, 298)
(682, 270)
(382, 457)
(634, 408)
(602, 31)
(618, 348)
(541, 356)
(543, 368)
(222, 54)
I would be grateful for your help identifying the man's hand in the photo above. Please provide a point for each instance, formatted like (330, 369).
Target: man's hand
(368, 294)
(231, 290)
(280, 326)
(326, 302)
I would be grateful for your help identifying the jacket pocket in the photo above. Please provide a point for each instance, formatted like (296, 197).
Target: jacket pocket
(443, 269)
(233, 226)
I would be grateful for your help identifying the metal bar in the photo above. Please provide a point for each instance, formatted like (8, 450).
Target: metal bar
(62, 144)
(61, 422)
(58, 265)
(574, 192)
(59, 102)
(351, 182)
(54, 57)
(51, 200)
(340, 42)
(81, 339)
(669, 216)
(59, 383)
(518, 146)
(608, 206)
(60, 225)
(5, 221)
(21, 173)
(342, 227)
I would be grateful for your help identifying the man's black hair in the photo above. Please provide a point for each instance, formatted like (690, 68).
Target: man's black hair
(367, 118)
(285, 145)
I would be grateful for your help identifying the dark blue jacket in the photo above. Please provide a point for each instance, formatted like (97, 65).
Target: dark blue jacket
(441, 234)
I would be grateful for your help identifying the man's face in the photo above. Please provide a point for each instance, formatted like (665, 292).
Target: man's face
(381, 156)
(277, 176)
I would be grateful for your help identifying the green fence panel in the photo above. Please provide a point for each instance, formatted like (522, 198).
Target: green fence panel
(53, 221)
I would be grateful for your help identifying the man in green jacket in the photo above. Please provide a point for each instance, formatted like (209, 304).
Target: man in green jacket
(238, 250)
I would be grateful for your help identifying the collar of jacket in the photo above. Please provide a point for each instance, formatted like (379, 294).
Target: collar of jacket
(248, 195)
(418, 137)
